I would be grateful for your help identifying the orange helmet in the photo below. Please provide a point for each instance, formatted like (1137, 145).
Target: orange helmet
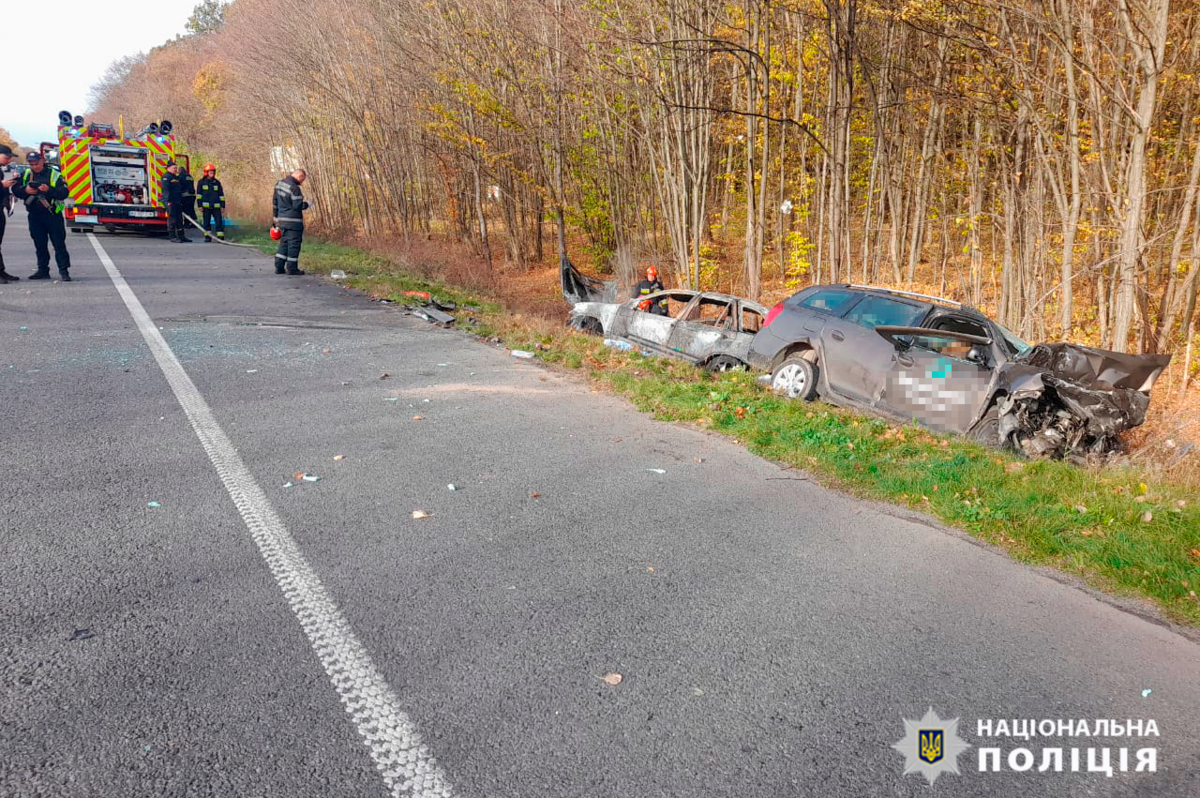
(651, 273)
(210, 168)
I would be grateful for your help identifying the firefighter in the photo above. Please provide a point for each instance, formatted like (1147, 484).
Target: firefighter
(649, 286)
(212, 203)
(172, 196)
(288, 207)
(43, 190)
(8, 179)
(189, 197)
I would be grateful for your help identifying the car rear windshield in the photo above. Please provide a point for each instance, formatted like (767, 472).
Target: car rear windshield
(827, 300)
(875, 311)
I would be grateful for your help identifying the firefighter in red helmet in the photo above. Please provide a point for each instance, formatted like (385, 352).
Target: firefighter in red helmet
(651, 285)
(212, 203)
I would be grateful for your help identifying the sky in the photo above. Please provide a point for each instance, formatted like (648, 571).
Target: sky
(93, 36)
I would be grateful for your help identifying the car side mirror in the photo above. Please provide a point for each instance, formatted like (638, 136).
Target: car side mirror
(902, 342)
(976, 355)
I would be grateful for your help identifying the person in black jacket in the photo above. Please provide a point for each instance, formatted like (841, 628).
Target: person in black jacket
(9, 175)
(650, 285)
(212, 203)
(43, 190)
(172, 197)
(189, 197)
(288, 207)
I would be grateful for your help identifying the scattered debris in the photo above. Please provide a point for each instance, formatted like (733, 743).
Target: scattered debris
(288, 485)
(419, 514)
(326, 351)
(433, 315)
(620, 346)
(451, 487)
(521, 353)
(535, 495)
(22, 328)
(391, 399)
(1147, 517)
(384, 375)
(311, 478)
(337, 458)
(153, 504)
(1146, 693)
(657, 470)
(418, 295)
(613, 679)
(699, 459)
(251, 371)
(337, 274)
(443, 365)
(82, 634)
(416, 418)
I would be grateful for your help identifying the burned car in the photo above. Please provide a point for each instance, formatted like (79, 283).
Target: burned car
(708, 329)
(947, 366)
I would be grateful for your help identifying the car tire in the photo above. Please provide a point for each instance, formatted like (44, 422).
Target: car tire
(795, 378)
(987, 430)
(723, 363)
(586, 324)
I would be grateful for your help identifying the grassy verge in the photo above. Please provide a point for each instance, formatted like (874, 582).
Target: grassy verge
(1119, 530)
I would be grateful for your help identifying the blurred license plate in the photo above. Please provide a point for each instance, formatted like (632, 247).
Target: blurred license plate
(143, 214)
(86, 219)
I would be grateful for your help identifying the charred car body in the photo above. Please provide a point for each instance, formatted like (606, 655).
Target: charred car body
(708, 329)
(946, 365)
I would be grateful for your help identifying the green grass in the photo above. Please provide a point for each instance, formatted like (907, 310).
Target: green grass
(1091, 523)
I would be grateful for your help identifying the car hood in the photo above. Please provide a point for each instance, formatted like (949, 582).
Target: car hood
(1065, 399)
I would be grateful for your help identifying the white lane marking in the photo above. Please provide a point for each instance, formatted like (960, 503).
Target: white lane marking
(407, 766)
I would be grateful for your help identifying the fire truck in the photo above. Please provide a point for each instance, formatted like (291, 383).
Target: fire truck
(114, 179)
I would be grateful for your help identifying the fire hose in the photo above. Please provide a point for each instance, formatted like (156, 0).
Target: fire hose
(197, 225)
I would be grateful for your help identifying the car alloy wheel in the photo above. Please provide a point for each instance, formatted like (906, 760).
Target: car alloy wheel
(791, 380)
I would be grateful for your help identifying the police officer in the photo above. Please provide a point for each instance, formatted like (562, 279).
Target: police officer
(43, 190)
(288, 207)
(212, 203)
(8, 179)
(172, 196)
(650, 285)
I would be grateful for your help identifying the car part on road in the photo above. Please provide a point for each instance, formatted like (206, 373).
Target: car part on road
(722, 363)
(578, 287)
(431, 314)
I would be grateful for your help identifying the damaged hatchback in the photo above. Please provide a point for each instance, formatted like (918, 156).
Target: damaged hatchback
(947, 366)
(707, 329)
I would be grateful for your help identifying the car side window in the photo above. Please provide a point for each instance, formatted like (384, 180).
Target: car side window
(949, 346)
(751, 320)
(827, 300)
(875, 311)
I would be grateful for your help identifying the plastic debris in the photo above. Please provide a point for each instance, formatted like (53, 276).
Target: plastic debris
(419, 514)
(521, 353)
(392, 399)
(451, 487)
(22, 328)
(620, 346)
(613, 679)
(153, 504)
(657, 470)
(311, 478)
(251, 371)
(443, 365)
(417, 294)
(416, 418)
(337, 274)
(82, 634)
(384, 375)
(337, 458)
(1146, 693)
(288, 485)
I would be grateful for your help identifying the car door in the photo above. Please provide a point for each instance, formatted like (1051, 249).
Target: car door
(709, 323)
(855, 358)
(930, 381)
(650, 328)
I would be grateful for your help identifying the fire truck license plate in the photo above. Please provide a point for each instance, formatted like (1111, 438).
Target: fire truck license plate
(142, 214)
(86, 219)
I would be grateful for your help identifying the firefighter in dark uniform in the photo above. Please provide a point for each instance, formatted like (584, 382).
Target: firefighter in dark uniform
(172, 197)
(189, 197)
(43, 190)
(288, 207)
(651, 285)
(212, 203)
(8, 178)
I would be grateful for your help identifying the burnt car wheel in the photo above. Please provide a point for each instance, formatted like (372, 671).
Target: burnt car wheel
(795, 378)
(586, 324)
(723, 363)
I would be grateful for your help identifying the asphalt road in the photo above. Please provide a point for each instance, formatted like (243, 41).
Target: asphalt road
(772, 635)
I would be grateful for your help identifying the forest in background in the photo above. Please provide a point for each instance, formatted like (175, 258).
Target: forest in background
(1036, 159)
